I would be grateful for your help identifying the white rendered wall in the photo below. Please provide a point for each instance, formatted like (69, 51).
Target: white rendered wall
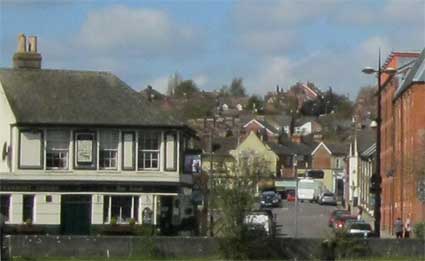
(6, 118)
(47, 213)
(97, 209)
(15, 211)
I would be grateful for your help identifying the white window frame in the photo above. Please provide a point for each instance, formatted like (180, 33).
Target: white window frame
(60, 151)
(41, 160)
(142, 151)
(109, 151)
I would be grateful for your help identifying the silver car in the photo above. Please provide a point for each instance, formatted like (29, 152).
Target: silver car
(327, 198)
(359, 228)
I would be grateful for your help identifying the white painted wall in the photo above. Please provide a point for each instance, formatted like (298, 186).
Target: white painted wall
(304, 129)
(47, 213)
(97, 209)
(16, 201)
(6, 118)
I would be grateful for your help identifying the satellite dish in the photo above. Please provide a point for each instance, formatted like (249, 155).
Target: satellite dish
(4, 151)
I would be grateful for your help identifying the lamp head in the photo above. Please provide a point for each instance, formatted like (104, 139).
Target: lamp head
(368, 70)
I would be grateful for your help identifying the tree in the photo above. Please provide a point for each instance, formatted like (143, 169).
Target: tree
(236, 88)
(234, 197)
(186, 89)
(255, 103)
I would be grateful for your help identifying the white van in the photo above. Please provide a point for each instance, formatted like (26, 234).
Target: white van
(306, 189)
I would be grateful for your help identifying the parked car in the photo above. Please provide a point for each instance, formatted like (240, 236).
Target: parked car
(290, 196)
(358, 228)
(270, 199)
(260, 222)
(335, 214)
(341, 221)
(327, 198)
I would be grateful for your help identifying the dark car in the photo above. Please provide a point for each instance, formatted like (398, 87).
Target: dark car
(270, 199)
(335, 214)
(340, 222)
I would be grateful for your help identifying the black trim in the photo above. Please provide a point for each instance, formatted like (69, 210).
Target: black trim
(93, 164)
(41, 166)
(134, 150)
(174, 134)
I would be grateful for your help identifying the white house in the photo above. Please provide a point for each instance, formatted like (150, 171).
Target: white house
(80, 148)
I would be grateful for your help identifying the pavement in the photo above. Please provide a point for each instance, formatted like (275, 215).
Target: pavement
(371, 220)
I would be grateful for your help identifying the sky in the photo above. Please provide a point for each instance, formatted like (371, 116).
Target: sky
(267, 43)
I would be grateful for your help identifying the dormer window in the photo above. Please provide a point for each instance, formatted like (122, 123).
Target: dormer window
(57, 149)
(108, 150)
(149, 142)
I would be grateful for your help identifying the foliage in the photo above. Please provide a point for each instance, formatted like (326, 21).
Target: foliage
(186, 89)
(113, 221)
(234, 198)
(329, 103)
(28, 222)
(236, 88)
(255, 103)
(419, 230)
(342, 245)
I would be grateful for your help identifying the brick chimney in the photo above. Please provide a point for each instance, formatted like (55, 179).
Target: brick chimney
(27, 57)
(297, 138)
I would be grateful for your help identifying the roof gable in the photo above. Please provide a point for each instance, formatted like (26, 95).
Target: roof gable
(263, 124)
(321, 144)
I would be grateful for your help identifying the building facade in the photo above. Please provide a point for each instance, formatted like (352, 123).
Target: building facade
(82, 148)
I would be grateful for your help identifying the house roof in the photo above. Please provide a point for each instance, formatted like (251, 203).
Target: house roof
(290, 148)
(369, 151)
(263, 124)
(416, 74)
(64, 97)
(365, 138)
(222, 145)
(332, 148)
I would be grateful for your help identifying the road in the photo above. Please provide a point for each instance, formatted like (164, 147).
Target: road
(312, 220)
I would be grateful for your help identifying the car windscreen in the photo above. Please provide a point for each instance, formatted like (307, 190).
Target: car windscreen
(328, 195)
(341, 212)
(360, 226)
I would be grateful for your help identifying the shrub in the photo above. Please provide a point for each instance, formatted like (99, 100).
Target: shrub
(28, 222)
(419, 230)
(113, 221)
(132, 222)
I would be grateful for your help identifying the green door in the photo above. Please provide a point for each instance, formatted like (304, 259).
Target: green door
(75, 214)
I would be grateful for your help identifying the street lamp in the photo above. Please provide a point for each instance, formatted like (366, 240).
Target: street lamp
(376, 184)
(294, 164)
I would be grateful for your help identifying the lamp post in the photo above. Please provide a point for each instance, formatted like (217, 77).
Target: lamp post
(294, 164)
(376, 177)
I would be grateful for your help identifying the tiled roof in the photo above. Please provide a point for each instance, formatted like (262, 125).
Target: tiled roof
(416, 74)
(64, 97)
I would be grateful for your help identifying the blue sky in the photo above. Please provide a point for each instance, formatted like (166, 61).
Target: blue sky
(267, 43)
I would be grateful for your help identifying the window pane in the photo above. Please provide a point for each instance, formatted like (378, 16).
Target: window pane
(5, 206)
(30, 149)
(149, 142)
(28, 208)
(108, 149)
(57, 149)
(121, 208)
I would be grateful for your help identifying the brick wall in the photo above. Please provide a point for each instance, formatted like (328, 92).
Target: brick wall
(321, 159)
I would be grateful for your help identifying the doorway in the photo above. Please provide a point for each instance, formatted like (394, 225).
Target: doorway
(75, 214)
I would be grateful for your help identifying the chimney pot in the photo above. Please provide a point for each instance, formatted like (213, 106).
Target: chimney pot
(22, 43)
(32, 44)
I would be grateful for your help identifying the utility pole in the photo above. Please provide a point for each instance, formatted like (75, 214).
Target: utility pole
(296, 194)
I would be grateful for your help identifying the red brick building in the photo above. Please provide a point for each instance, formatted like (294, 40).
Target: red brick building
(403, 121)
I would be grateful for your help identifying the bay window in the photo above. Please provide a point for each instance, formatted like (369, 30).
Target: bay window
(149, 144)
(108, 149)
(57, 149)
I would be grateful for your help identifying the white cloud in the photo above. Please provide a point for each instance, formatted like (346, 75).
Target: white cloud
(160, 84)
(136, 31)
(201, 80)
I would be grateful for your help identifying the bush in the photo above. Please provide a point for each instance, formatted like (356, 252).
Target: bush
(419, 230)
(342, 245)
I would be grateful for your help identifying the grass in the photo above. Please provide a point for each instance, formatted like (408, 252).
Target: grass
(398, 258)
(106, 259)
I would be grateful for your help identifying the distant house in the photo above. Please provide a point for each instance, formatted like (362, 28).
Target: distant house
(82, 148)
(330, 158)
(367, 167)
(306, 126)
(262, 128)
